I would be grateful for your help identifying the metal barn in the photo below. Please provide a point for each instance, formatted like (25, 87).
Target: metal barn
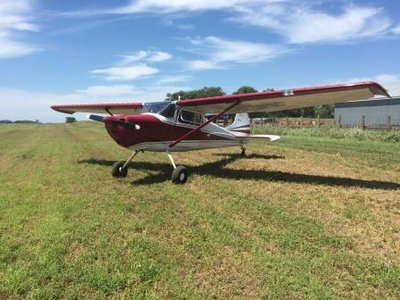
(377, 113)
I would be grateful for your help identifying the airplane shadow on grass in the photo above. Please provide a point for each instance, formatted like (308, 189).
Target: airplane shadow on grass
(160, 172)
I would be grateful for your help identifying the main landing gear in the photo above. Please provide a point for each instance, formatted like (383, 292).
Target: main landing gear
(179, 174)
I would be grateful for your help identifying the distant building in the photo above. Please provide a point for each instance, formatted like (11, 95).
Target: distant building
(375, 113)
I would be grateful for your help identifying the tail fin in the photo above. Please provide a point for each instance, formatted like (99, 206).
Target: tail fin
(241, 124)
(241, 128)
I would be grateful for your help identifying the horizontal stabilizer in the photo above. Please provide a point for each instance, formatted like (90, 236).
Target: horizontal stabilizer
(268, 137)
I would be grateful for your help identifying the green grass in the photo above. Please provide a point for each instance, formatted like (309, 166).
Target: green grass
(333, 133)
(304, 217)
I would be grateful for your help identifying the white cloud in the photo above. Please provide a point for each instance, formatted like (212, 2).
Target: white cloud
(159, 56)
(142, 55)
(15, 17)
(396, 30)
(10, 48)
(175, 78)
(204, 65)
(125, 73)
(133, 57)
(133, 66)
(299, 21)
(303, 24)
(108, 91)
(221, 52)
(172, 6)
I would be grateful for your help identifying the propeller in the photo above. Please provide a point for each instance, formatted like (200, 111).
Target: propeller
(96, 118)
(125, 124)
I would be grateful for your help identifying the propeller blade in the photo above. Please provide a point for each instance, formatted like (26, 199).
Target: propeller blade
(96, 118)
(125, 124)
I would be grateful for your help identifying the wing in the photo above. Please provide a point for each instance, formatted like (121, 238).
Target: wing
(106, 108)
(272, 101)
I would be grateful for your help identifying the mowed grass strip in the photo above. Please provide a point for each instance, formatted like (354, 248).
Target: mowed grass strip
(304, 217)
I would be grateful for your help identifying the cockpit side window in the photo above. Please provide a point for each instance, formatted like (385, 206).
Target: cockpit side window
(189, 117)
(168, 111)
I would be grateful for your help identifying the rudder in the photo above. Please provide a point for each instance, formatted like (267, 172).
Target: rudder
(240, 124)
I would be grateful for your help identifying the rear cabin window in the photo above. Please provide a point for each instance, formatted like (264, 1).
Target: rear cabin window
(190, 117)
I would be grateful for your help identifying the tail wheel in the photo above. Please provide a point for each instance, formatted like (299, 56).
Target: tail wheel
(118, 170)
(179, 175)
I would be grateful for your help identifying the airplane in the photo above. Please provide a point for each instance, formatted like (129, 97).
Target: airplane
(186, 125)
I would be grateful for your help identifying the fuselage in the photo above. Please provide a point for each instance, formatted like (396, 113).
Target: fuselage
(155, 132)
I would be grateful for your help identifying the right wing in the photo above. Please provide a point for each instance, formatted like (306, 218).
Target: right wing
(106, 108)
(272, 101)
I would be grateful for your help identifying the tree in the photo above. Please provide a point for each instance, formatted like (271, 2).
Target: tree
(200, 93)
(26, 122)
(70, 120)
(245, 90)
(324, 111)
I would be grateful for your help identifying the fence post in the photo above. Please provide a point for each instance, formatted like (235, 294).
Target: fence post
(340, 121)
(363, 122)
(319, 121)
(389, 123)
(301, 121)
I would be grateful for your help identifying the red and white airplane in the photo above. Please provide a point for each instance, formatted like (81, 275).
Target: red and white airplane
(182, 125)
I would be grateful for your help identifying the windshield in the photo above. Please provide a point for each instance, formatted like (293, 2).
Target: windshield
(154, 107)
(168, 111)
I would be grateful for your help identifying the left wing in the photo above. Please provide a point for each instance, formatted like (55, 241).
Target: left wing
(106, 108)
(272, 101)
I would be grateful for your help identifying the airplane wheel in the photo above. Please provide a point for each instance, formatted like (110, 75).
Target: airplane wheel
(118, 171)
(179, 175)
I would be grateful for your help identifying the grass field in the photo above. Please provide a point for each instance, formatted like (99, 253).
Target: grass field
(304, 217)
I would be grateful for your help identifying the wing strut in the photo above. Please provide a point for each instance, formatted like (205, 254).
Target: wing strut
(108, 110)
(203, 124)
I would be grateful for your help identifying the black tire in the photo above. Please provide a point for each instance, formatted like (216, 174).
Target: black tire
(179, 175)
(118, 171)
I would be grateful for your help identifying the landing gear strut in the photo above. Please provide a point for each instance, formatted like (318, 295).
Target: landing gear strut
(120, 168)
(179, 174)
(243, 152)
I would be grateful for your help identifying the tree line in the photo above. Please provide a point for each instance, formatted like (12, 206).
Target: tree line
(67, 120)
(19, 122)
(324, 111)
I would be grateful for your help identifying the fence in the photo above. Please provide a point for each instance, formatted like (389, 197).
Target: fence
(364, 123)
(319, 122)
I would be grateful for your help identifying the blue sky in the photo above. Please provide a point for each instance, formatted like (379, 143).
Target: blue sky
(62, 52)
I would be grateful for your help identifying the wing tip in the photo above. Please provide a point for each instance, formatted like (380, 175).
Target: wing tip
(61, 108)
(379, 89)
(375, 88)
